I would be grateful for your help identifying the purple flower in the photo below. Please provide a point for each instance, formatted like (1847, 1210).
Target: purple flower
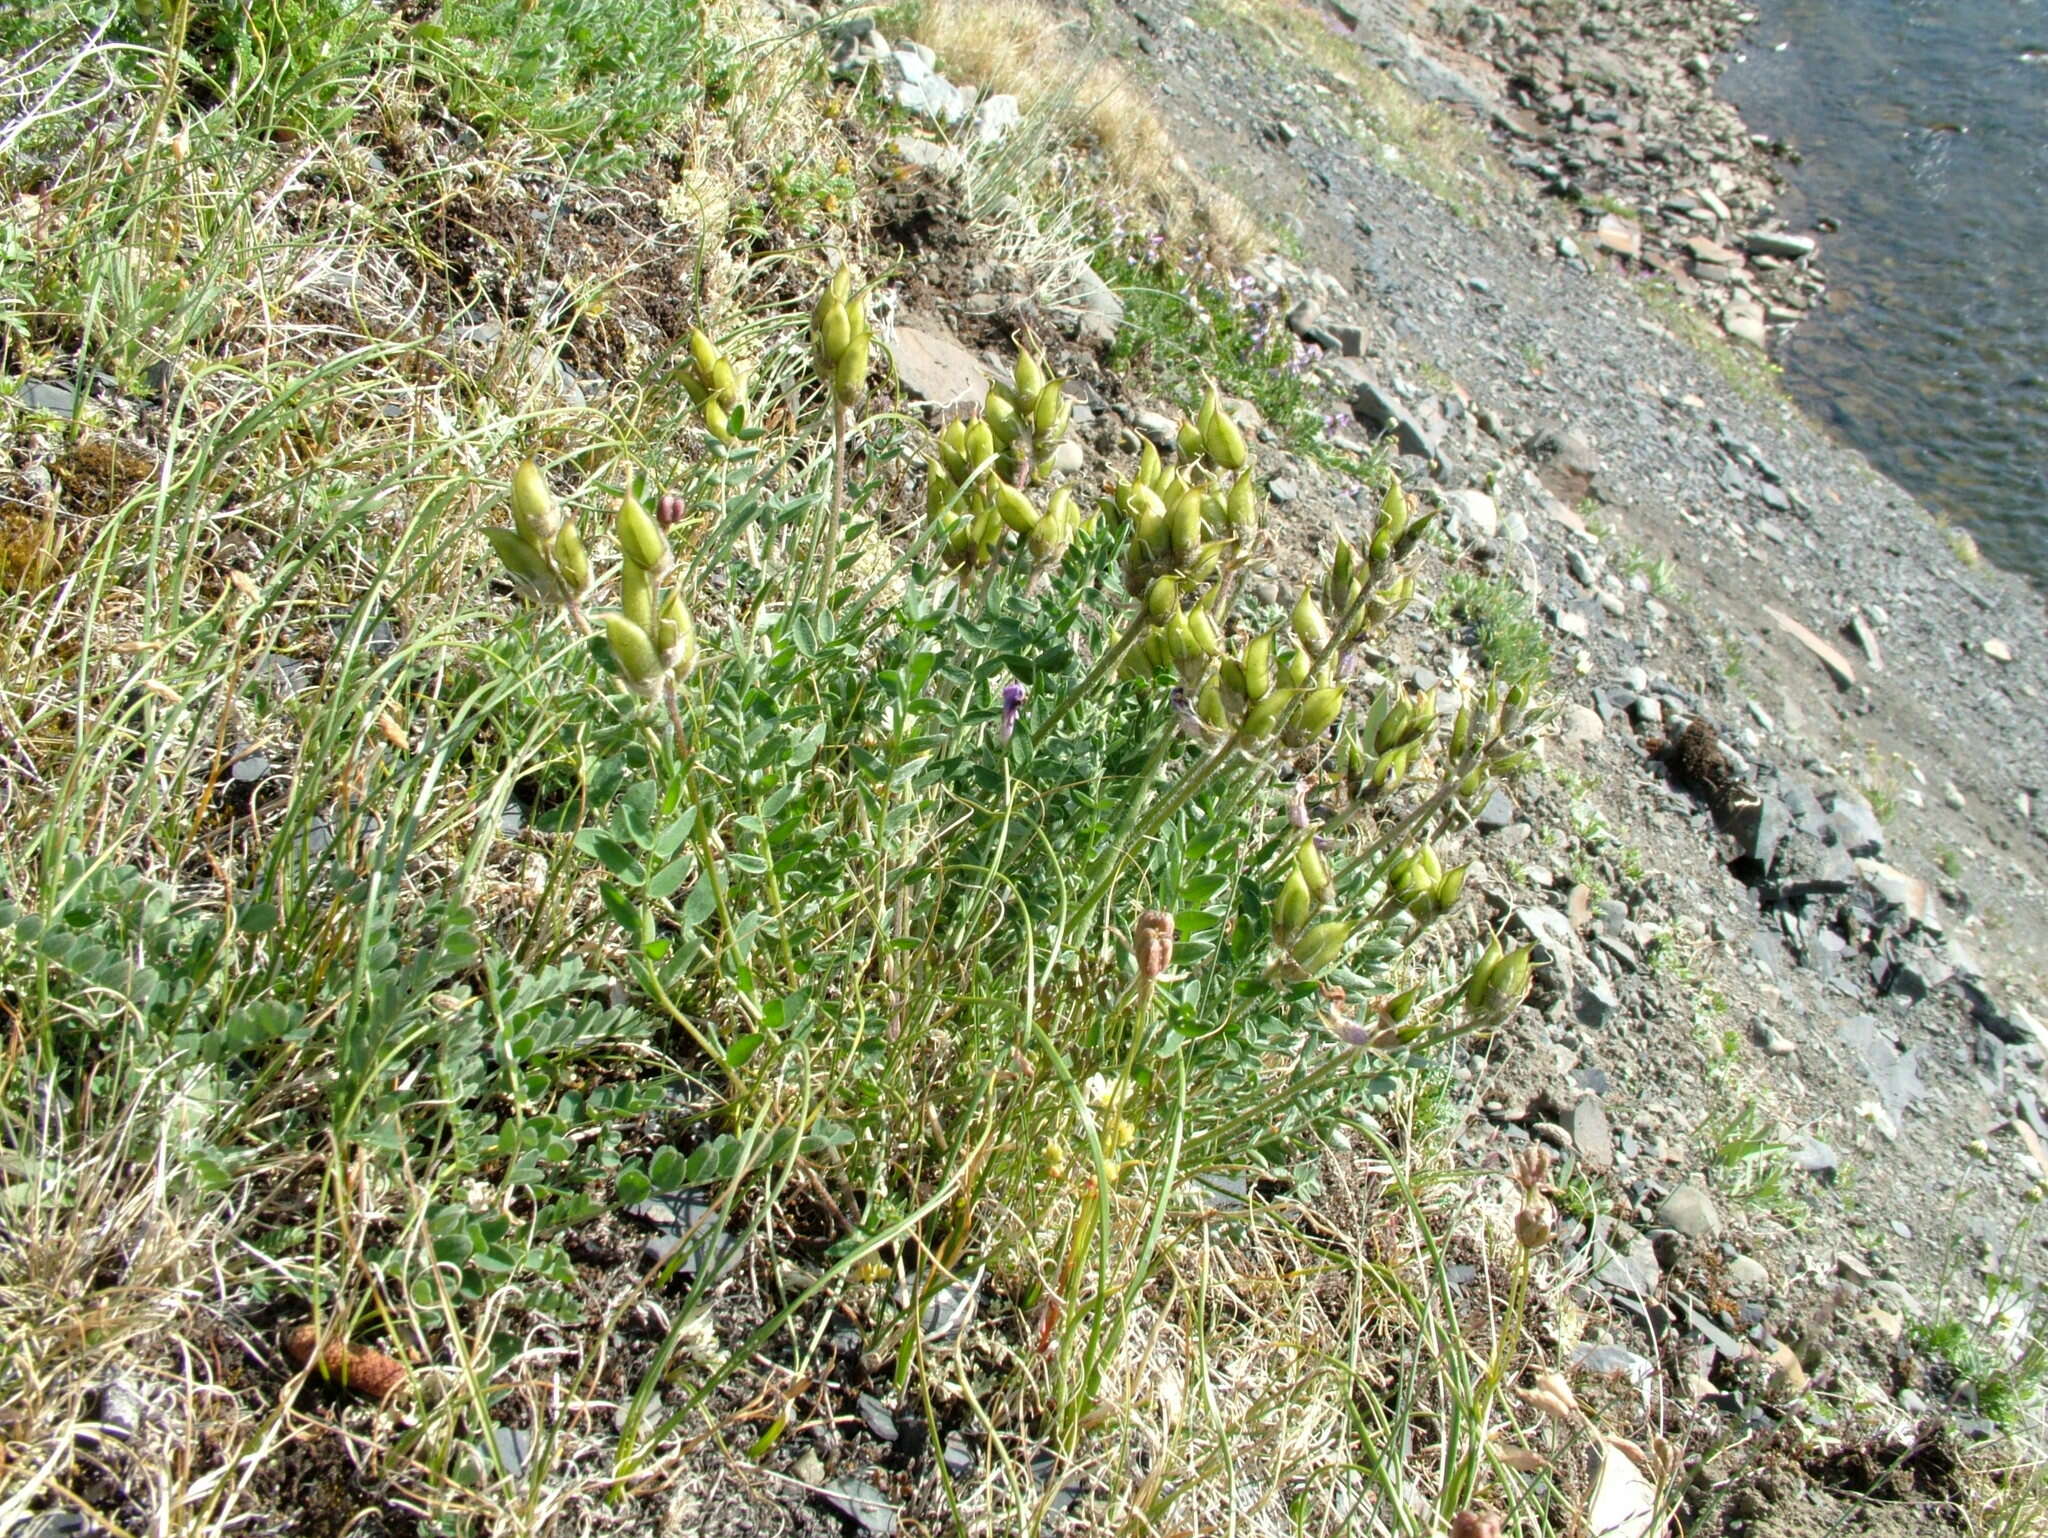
(1013, 702)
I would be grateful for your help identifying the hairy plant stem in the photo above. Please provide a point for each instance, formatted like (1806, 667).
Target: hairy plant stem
(838, 512)
(675, 717)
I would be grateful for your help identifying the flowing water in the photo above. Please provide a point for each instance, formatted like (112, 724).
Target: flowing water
(1923, 127)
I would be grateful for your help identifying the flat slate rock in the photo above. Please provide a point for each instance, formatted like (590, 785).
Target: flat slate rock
(937, 369)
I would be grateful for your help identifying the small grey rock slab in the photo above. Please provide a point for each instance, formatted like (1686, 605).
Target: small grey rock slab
(1689, 1210)
(937, 369)
(1591, 1136)
(1498, 813)
(58, 400)
(1777, 243)
(1894, 1074)
(862, 1504)
(513, 1444)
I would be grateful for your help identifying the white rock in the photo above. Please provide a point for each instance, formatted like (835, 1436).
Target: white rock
(1471, 515)
(995, 117)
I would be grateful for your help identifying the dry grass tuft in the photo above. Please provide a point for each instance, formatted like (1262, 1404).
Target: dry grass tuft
(1026, 51)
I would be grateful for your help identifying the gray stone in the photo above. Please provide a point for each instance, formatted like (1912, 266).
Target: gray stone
(1771, 1041)
(1747, 1276)
(1563, 448)
(1759, 825)
(1471, 516)
(1159, 428)
(1689, 1210)
(1855, 824)
(937, 369)
(1380, 411)
(995, 116)
(1895, 1074)
(58, 400)
(1092, 306)
(862, 1504)
(1591, 1137)
(1282, 490)
(1907, 893)
(1776, 243)
(512, 1444)
(928, 153)
(1596, 1004)
(1498, 812)
(1581, 726)
(1744, 320)
(1624, 1261)
(1350, 340)
(1806, 868)
(1068, 458)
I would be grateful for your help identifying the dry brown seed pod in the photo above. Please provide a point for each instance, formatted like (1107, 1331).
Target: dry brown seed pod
(1152, 940)
(360, 1369)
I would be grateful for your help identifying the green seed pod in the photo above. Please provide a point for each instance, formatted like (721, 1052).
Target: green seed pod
(678, 637)
(1461, 731)
(1482, 976)
(637, 595)
(1265, 714)
(1209, 706)
(1230, 681)
(1001, 416)
(1162, 600)
(953, 452)
(1202, 630)
(1224, 443)
(1241, 507)
(1184, 525)
(1049, 415)
(1451, 887)
(1322, 946)
(640, 665)
(834, 329)
(1353, 757)
(1293, 908)
(1258, 667)
(725, 385)
(1320, 709)
(534, 512)
(1315, 869)
(703, 354)
(572, 562)
(1310, 628)
(1343, 565)
(640, 538)
(716, 420)
(939, 490)
(1149, 467)
(1294, 668)
(981, 447)
(1188, 440)
(1015, 508)
(1393, 514)
(850, 376)
(1509, 983)
(528, 568)
(1393, 729)
(1028, 375)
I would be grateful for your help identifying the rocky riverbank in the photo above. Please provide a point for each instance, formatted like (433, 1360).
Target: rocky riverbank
(1610, 109)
